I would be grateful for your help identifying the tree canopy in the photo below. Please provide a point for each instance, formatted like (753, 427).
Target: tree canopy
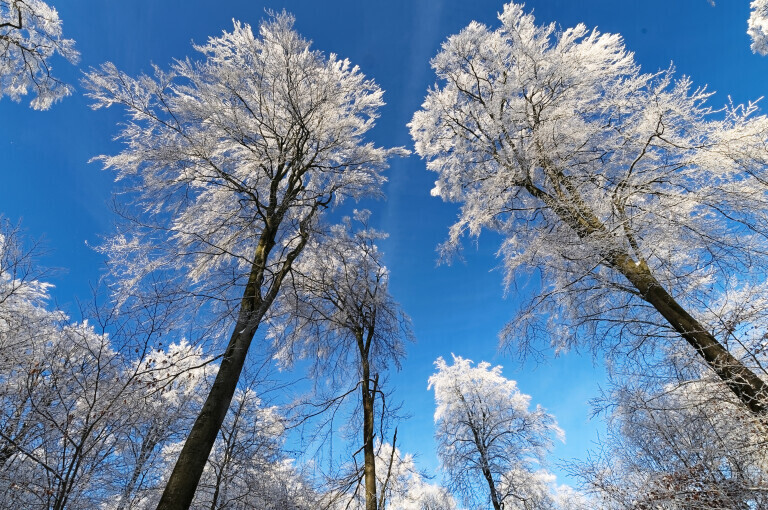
(232, 159)
(489, 441)
(758, 26)
(30, 34)
(640, 206)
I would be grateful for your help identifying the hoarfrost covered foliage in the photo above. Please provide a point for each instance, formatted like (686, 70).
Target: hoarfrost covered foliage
(80, 419)
(758, 26)
(246, 469)
(23, 297)
(622, 190)
(251, 140)
(30, 34)
(232, 160)
(489, 442)
(683, 444)
(82, 426)
(338, 311)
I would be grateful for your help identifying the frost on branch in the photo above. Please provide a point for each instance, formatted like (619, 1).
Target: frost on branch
(253, 138)
(623, 191)
(405, 488)
(30, 34)
(229, 162)
(489, 441)
(680, 443)
(758, 26)
(339, 289)
(247, 467)
(79, 422)
(23, 297)
(337, 312)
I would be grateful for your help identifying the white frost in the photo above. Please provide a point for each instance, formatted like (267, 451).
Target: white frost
(30, 34)
(758, 26)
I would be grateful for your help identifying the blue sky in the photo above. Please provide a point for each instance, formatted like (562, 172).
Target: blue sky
(48, 184)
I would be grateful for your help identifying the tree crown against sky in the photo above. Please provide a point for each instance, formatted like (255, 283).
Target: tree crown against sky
(262, 125)
(609, 184)
(23, 296)
(338, 290)
(489, 442)
(30, 34)
(233, 160)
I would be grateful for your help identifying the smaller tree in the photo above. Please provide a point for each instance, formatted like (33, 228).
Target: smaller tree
(404, 488)
(30, 34)
(339, 313)
(488, 440)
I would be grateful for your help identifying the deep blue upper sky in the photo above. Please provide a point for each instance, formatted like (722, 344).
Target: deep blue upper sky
(48, 184)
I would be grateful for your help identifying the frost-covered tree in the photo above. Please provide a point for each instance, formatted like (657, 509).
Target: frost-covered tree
(40, 404)
(339, 313)
(57, 411)
(30, 34)
(758, 26)
(404, 488)
(79, 419)
(232, 158)
(489, 441)
(23, 296)
(247, 446)
(640, 208)
(247, 468)
(83, 435)
(74, 408)
(680, 442)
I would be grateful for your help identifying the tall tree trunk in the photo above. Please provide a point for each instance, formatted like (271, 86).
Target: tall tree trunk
(369, 467)
(482, 449)
(744, 383)
(568, 205)
(484, 464)
(182, 484)
(492, 487)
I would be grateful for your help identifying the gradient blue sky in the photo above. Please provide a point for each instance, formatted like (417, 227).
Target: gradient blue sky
(48, 184)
